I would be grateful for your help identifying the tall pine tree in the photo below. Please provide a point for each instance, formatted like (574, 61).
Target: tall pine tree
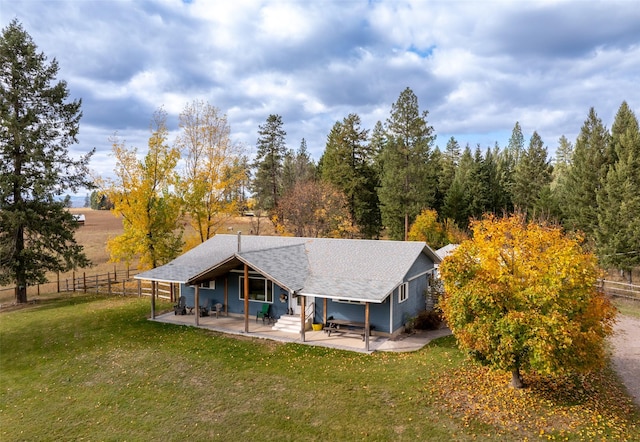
(618, 233)
(347, 163)
(408, 182)
(587, 172)
(531, 176)
(38, 124)
(267, 184)
(457, 202)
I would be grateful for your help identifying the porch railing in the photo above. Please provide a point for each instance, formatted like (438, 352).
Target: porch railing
(309, 311)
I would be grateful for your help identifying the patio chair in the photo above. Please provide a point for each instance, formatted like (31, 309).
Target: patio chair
(204, 311)
(218, 310)
(181, 307)
(264, 313)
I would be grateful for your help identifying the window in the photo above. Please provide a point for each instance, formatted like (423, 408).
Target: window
(260, 290)
(208, 285)
(403, 292)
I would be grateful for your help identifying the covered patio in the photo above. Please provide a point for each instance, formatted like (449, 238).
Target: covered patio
(235, 325)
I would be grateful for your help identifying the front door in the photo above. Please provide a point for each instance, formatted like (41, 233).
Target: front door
(295, 304)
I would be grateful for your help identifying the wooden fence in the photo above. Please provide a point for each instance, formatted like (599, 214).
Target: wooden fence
(620, 289)
(120, 282)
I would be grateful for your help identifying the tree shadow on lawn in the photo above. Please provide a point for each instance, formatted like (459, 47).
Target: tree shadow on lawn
(61, 300)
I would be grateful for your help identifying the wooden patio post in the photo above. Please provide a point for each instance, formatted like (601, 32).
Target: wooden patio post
(226, 295)
(303, 314)
(324, 310)
(196, 304)
(153, 300)
(366, 326)
(246, 298)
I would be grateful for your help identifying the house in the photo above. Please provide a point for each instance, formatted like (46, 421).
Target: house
(443, 252)
(79, 219)
(377, 283)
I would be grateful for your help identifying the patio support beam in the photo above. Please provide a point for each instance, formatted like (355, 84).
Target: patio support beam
(324, 310)
(226, 295)
(366, 326)
(196, 304)
(303, 314)
(246, 298)
(153, 299)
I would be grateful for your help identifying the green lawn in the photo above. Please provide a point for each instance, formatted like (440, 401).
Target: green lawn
(94, 368)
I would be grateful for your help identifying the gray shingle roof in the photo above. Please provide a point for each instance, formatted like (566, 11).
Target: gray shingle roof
(364, 270)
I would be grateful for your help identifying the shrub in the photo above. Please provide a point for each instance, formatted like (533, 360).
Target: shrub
(428, 320)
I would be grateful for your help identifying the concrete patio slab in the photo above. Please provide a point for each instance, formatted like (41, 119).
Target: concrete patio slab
(234, 324)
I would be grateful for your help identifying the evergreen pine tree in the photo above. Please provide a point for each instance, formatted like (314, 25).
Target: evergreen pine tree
(587, 172)
(38, 123)
(478, 186)
(271, 149)
(457, 202)
(532, 174)
(449, 164)
(408, 180)
(618, 233)
(347, 163)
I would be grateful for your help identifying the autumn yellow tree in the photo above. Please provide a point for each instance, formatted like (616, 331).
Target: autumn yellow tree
(143, 194)
(436, 234)
(213, 168)
(523, 296)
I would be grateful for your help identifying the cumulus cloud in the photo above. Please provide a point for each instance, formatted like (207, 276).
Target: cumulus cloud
(477, 67)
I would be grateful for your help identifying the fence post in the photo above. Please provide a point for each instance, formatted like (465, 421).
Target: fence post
(124, 290)
(66, 283)
(58, 280)
(97, 290)
(84, 282)
(115, 273)
(139, 288)
(109, 283)
(128, 271)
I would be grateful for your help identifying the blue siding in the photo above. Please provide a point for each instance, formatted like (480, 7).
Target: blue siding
(235, 304)
(415, 302)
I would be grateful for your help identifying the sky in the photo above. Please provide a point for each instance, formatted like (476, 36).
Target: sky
(477, 67)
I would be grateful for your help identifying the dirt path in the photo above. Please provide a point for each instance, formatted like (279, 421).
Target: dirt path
(626, 353)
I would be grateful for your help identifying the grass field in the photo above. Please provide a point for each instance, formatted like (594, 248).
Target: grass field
(99, 227)
(94, 368)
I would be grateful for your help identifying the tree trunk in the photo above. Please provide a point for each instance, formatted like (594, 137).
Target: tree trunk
(406, 226)
(21, 277)
(516, 379)
(21, 294)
